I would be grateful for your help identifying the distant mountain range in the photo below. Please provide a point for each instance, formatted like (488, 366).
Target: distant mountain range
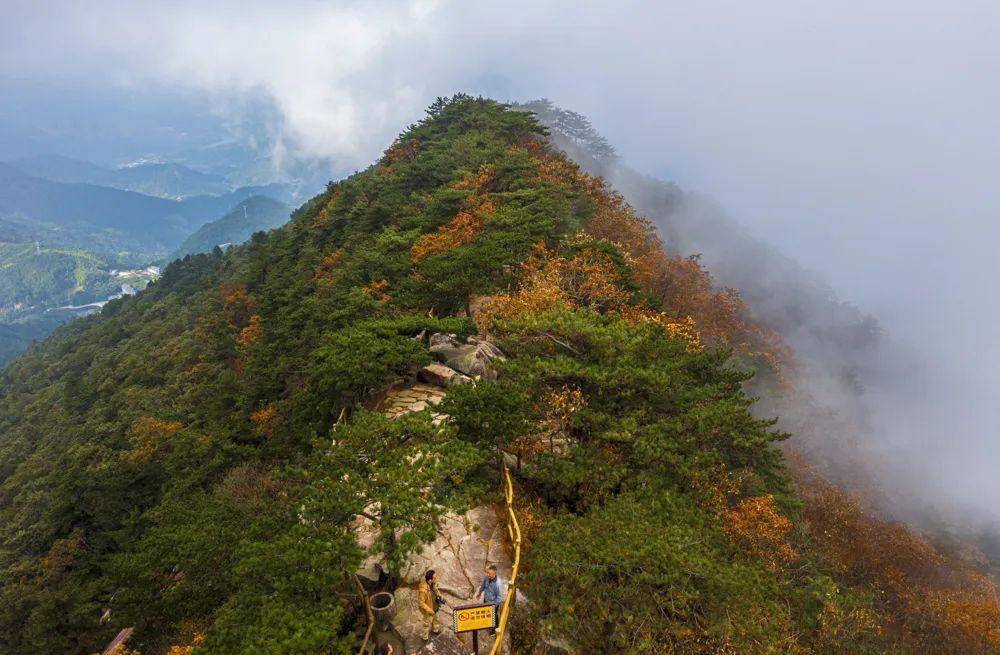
(163, 180)
(251, 215)
(104, 219)
(69, 227)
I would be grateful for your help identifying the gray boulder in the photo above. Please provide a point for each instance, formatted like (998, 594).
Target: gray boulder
(441, 375)
(473, 359)
(439, 341)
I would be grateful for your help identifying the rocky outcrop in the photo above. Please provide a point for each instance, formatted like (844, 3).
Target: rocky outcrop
(465, 545)
(458, 363)
(445, 643)
(473, 358)
(438, 341)
(441, 375)
(118, 643)
(408, 622)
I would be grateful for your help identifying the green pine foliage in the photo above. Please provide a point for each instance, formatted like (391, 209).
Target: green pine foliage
(178, 458)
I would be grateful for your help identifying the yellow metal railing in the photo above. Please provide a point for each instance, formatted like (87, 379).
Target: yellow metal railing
(514, 531)
(368, 615)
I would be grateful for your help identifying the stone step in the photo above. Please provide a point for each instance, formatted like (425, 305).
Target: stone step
(445, 643)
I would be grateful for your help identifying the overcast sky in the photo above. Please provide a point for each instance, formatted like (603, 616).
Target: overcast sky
(860, 137)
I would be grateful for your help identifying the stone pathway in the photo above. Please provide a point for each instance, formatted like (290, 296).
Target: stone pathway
(415, 398)
(446, 643)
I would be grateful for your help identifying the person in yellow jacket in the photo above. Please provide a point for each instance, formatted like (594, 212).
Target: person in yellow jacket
(428, 598)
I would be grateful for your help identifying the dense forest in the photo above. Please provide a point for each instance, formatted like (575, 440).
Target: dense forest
(31, 274)
(176, 463)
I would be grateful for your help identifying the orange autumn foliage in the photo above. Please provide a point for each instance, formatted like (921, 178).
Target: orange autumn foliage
(467, 223)
(459, 231)
(399, 152)
(377, 290)
(326, 273)
(323, 215)
(722, 316)
(717, 488)
(237, 301)
(555, 410)
(681, 283)
(252, 333)
(186, 650)
(588, 279)
(938, 604)
(559, 407)
(149, 435)
(239, 311)
(265, 420)
(481, 181)
(755, 525)
(122, 649)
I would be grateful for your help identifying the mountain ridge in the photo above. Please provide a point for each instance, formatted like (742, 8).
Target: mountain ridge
(163, 180)
(254, 214)
(194, 458)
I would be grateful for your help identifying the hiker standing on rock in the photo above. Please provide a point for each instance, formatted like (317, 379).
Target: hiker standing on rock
(489, 592)
(428, 597)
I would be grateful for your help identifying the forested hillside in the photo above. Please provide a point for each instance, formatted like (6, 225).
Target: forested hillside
(30, 274)
(42, 287)
(176, 463)
(254, 214)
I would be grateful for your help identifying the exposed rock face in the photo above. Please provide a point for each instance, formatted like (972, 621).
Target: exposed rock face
(439, 341)
(473, 358)
(441, 375)
(488, 345)
(465, 543)
(464, 546)
(445, 643)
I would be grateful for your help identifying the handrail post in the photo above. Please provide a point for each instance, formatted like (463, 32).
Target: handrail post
(514, 531)
(369, 615)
